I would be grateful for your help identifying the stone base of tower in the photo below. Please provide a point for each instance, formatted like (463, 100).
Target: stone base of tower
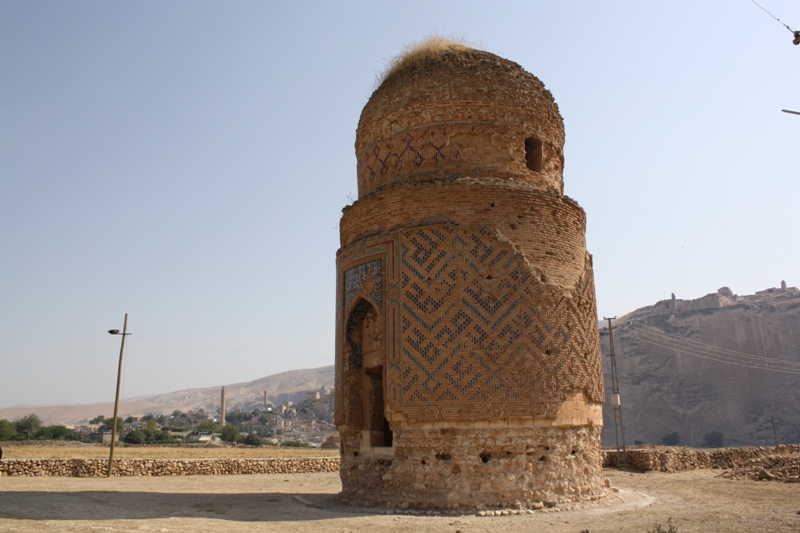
(449, 466)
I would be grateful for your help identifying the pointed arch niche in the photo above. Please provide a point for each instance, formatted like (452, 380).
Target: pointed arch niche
(364, 400)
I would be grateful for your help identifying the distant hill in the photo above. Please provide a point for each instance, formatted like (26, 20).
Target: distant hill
(291, 385)
(721, 363)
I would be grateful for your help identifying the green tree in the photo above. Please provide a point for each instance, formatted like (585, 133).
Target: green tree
(207, 425)
(230, 433)
(56, 432)
(120, 425)
(99, 419)
(252, 439)
(295, 444)
(8, 430)
(137, 436)
(163, 436)
(237, 415)
(146, 435)
(671, 439)
(27, 426)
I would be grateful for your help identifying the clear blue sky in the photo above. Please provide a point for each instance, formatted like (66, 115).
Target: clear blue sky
(187, 162)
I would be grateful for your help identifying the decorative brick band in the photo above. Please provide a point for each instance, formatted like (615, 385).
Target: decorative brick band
(166, 467)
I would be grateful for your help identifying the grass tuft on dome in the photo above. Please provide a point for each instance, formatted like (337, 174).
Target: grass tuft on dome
(419, 52)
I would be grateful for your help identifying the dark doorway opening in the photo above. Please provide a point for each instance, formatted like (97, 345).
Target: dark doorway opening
(365, 407)
(534, 156)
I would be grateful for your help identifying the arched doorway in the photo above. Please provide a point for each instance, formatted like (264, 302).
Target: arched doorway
(364, 396)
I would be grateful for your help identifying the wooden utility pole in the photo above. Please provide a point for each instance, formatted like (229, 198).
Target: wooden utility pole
(619, 433)
(116, 400)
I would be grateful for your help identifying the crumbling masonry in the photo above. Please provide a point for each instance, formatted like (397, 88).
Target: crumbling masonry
(468, 368)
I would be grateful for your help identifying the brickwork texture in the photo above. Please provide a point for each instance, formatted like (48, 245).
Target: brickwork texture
(468, 369)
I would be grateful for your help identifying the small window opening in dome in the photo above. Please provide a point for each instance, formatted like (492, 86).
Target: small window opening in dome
(533, 153)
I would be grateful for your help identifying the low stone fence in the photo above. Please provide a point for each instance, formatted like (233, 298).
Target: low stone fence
(784, 468)
(659, 459)
(677, 459)
(166, 467)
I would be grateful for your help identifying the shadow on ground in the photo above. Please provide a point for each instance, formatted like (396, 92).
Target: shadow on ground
(113, 505)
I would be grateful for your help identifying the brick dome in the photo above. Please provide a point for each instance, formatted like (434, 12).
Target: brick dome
(458, 112)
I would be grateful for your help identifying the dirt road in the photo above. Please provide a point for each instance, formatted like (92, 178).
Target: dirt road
(696, 501)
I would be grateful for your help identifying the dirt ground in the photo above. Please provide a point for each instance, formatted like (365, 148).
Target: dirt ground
(695, 500)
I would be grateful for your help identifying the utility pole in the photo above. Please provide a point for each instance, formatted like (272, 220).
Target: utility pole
(116, 399)
(619, 433)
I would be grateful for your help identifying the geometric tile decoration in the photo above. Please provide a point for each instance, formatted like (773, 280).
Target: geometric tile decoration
(364, 278)
(472, 309)
(417, 150)
(464, 309)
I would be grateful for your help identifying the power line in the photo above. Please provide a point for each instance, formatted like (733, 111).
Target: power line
(717, 359)
(694, 352)
(231, 349)
(721, 352)
(773, 16)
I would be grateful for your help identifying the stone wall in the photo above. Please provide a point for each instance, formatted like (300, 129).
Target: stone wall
(662, 460)
(166, 467)
(677, 459)
(495, 467)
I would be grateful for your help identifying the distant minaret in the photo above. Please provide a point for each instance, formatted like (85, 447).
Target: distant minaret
(266, 399)
(222, 408)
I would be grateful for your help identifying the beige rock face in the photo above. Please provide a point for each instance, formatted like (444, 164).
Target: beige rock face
(468, 368)
(722, 363)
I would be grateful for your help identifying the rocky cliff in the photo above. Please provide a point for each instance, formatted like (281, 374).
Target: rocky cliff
(721, 369)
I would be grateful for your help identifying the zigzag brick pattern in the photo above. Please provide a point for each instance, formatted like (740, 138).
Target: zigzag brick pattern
(473, 309)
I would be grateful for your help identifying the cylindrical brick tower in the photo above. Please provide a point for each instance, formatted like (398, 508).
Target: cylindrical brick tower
(468, 368)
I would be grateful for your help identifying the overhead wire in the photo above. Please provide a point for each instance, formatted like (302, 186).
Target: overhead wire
(704, 351)
(678, 343)
(718, 359)
(773, 16)
(721, 351)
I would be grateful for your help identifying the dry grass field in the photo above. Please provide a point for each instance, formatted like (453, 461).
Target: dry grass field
(161, 452)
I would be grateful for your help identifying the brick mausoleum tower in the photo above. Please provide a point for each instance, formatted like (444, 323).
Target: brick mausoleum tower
(468, 368)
